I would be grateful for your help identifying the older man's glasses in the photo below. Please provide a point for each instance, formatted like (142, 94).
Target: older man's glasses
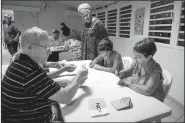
(47, 47)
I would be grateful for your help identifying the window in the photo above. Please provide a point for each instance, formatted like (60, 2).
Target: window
(101, 16)
(180, 41)
(161, 18)
(93, 15)
(124, 21)
(111, 22)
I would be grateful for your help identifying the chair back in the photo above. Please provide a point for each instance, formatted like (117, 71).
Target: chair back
(167, 81)
(127, 61)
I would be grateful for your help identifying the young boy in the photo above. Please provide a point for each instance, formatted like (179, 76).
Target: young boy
(108, 60)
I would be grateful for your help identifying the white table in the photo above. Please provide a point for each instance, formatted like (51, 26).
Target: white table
(4, 67)
(104, 85)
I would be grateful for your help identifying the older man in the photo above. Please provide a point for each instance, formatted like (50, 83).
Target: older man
(27, 92)
(11, 35)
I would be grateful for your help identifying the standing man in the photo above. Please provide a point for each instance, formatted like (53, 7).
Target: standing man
(11, 35)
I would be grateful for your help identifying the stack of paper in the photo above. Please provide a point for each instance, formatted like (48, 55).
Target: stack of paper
(123, 103)
(97, 107)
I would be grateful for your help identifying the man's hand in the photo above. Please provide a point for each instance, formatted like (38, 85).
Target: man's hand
(56, 65)
(82, 73)
(64, 63)
(70, 67)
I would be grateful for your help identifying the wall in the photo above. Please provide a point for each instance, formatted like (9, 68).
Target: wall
(51, 18)
(54, 15)
(169, 58)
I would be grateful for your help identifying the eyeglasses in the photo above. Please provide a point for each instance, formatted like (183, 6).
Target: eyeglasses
(85, 14)
(47, 47)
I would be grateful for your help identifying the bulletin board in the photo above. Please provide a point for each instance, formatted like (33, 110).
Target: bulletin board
(139, 21)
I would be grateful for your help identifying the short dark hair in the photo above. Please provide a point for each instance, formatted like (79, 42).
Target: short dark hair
(146, 47)
(105, 45)
(56, 31)
(62, 23)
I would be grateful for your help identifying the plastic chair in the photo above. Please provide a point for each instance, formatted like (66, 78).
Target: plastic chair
(127, 61)
(167, 81)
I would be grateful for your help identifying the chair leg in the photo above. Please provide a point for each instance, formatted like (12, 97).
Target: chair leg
(55, 107)
(157, 121)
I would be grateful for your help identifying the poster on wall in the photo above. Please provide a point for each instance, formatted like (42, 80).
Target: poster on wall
(139, 21)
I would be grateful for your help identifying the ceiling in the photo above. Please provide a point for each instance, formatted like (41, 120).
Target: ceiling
(67, 5)
(93, 4)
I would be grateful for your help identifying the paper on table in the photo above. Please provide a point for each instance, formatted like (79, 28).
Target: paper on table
(97, 107)
(122, 103)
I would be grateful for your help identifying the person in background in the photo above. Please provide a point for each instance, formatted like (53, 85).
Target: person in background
(11, 35)
(55, 38)
(65, 32)
(28, 94)
(94, 32)
(56, 44)
(144, 74)
(74, 45)
(108, 60)
(4, 21)
(75, 34)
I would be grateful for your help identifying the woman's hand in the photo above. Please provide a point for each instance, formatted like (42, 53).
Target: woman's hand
(91, 64)
(117, 73)
(66, 48)
(96, 66)
(123, 82)
(57, 65)
(121, 75)
(16, 39)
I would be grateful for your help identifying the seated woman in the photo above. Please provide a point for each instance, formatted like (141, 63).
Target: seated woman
(144, 74)
(108, 60)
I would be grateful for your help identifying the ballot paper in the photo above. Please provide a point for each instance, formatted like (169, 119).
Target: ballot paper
(97, 107)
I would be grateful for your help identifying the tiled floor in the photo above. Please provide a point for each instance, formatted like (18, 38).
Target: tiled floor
(177, 113)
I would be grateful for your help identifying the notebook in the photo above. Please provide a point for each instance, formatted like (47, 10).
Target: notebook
(97, 107)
